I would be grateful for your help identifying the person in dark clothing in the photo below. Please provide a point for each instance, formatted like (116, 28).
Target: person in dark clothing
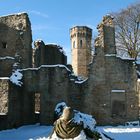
(65, 127)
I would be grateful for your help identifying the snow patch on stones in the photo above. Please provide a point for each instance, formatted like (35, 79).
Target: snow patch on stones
(88, 121)
(7, 57)
(16, 78)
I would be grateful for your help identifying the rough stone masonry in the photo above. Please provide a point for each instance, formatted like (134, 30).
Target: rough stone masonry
(110, 94)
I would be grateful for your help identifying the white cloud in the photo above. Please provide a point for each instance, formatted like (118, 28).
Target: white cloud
(38, 13)
(39, 27)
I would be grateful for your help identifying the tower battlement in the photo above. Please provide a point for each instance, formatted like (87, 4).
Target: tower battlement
(81, 31)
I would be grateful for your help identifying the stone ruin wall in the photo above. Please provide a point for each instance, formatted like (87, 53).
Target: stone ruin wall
(49, 54)
(6, 65)
(112, 95)
(120, 76)
(56, 84)
(15, 43)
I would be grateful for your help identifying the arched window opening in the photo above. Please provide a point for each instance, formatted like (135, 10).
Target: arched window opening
(4, 88)
(81, 43)
(4, 45)
(73, 44)
(37, 103)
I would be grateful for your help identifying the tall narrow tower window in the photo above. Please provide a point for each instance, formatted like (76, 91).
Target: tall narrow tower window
(4, 45)
(73, 44)
(81, 43)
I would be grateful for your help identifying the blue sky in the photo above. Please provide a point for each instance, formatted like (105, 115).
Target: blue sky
(52, 19)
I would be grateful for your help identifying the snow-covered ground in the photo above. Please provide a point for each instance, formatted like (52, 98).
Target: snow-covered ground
(37, 132)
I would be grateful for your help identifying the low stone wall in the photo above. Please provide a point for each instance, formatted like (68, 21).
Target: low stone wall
(54, 85)
(49, 54)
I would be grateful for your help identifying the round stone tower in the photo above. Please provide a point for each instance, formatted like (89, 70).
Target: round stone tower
(81, 37)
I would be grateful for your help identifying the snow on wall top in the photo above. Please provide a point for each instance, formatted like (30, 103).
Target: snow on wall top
(16, 77)
(14, 14)
(77, 81)
(39, 40)
(47, 66)
(59, 108)
(121, 57)
(118, 90)
(81, 81)
(88, 120)
(4, 78)
(7, 57)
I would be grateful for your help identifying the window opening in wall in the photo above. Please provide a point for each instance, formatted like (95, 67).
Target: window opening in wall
(81, 43)
(3, 98)
(37, 102)
(118, 108)
(73, 44)
(4, 45)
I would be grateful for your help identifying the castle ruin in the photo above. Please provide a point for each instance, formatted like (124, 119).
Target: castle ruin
(110, 94)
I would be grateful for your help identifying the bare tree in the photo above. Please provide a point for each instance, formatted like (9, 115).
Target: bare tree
(127, 24)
